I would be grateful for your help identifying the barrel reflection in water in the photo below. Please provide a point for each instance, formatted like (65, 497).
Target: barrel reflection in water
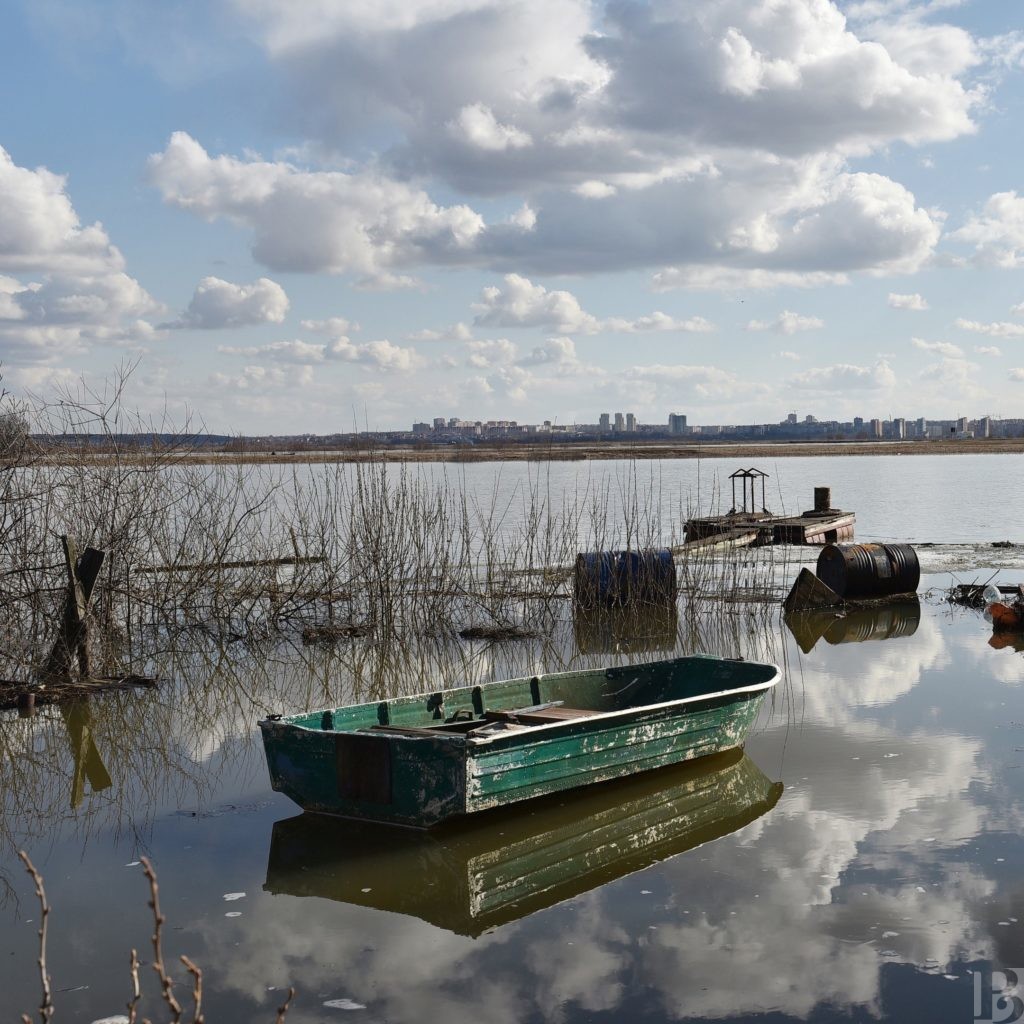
(503, 865)
(855, 625)
(647, 627)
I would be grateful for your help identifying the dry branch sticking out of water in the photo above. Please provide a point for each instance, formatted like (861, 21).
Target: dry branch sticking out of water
(177, 1011)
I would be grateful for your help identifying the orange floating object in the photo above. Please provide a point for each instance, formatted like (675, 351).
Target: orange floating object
(1006, 618)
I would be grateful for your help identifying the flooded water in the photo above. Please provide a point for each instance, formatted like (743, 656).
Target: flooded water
(858, 861)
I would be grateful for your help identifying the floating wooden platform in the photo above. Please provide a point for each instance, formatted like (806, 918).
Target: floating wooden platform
(738, 529)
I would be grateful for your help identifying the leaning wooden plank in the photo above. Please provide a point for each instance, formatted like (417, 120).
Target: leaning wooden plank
(82, 575)
(239, 564)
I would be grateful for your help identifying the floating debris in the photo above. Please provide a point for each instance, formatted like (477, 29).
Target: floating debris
(329, 634)
(343, 1004)
(497, 634)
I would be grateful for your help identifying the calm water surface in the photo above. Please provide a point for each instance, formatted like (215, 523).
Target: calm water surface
(861, 858)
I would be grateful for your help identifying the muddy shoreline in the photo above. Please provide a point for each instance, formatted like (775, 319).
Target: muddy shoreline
(579, 452)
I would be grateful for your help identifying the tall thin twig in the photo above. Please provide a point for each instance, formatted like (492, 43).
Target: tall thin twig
(46, 1000)
(166, 982)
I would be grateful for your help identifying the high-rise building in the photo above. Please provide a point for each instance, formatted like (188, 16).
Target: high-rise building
(899, 428)
(630, 422)
(676, 423)
(858, 422)
(876, 428)
(605, 422)
(984, 427)
(791, 418)
(619, 423)
(440, 423)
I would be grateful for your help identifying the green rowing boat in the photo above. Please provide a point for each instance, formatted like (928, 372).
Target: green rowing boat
(423, 759)
(490, 869)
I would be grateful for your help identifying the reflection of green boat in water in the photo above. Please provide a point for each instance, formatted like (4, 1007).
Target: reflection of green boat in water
(480, 872)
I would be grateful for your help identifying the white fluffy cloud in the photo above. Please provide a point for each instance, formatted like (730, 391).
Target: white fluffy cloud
(455, 332)
(954, 376)
(553, 352)
(846, 377)
(217, 304)
(913, 302)
(787, 322)
(997, 233)
(998, 329)
(315, 221)
(518, 302)
(713, 139)
(944, 348)
(477, 126)
(715, 277)
(67, 287)
(381, 355)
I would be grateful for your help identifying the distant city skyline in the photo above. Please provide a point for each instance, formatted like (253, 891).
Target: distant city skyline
(899, 428)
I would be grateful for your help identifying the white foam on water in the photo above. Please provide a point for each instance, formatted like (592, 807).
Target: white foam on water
(343, 1004)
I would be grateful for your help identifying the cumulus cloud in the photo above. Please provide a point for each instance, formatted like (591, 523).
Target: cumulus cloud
(942, 347)
(846, 377)
(477, 125)
(219, 304)
(998, 329)
(484, 354)
(518, 302)
(378, 355)
(914, 302)
(1017, 373)
(521, 303)
(64, 286)
(722, 278)
(315, 221)
(456, 332)
(742, 177)
(787, 322)
(997, 232)
(552, 352)
(953, 376)
(987, 350)
(333, 325)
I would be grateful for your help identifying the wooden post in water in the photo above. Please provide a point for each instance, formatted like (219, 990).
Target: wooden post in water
(83, 571)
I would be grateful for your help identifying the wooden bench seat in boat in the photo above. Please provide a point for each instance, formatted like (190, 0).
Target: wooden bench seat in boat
(541, 716)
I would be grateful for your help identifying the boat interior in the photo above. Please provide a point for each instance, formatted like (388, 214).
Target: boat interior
(517, 704)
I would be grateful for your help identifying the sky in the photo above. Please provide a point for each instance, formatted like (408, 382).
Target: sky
(339, 214)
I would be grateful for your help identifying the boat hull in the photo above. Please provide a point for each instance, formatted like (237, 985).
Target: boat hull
(403, 772)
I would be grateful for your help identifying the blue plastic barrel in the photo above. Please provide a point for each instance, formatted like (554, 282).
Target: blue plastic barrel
(606, 578)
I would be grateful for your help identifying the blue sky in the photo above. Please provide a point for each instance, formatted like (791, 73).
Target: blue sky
(296, 217)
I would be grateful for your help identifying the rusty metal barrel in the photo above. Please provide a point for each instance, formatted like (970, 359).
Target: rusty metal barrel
(605, 578)
(822, 499)
(869, 570)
